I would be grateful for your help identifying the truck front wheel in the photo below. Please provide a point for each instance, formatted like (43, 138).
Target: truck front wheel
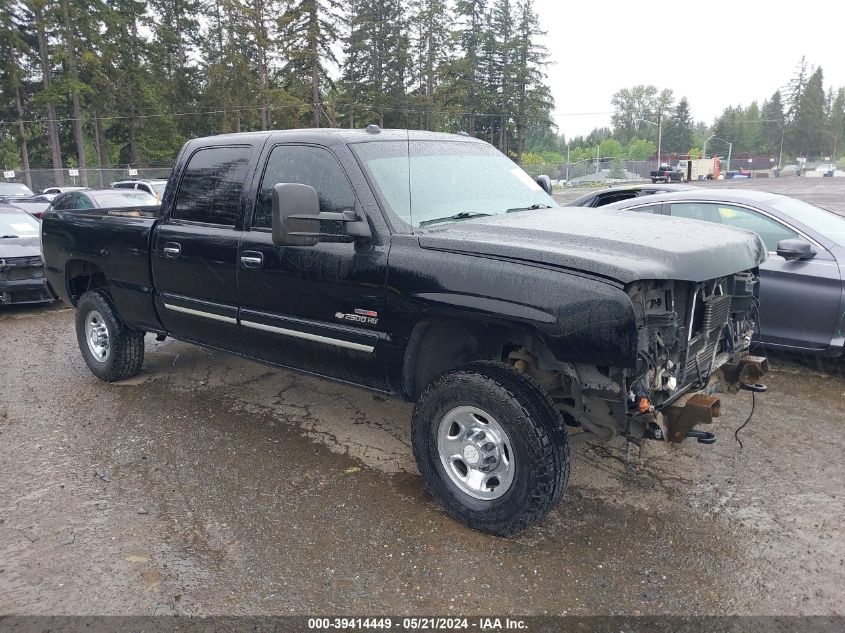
(111, 350)
(490, 447)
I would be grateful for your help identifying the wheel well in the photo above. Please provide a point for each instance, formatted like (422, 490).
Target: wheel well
(82, 276)
(438, 346)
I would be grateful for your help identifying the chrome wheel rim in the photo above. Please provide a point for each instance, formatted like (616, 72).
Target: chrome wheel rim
(476, 453)
(97, 336)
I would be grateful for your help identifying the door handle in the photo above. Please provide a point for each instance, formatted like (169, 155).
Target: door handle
(252, 259)
(172, 250)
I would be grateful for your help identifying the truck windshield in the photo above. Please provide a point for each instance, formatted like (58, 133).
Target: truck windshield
(428, 182)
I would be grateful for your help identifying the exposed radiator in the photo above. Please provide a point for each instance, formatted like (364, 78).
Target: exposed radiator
(703, 344)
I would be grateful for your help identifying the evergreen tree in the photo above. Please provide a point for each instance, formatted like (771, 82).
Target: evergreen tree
(533, 101)
(14, 50)
(468, 75)
(836, 123)
(308, 29)
(432, 45)
(772, 124)
(795, 89)
(41, 14)
(500, 71)
(376, 62)
(677, 129)
(810, 119)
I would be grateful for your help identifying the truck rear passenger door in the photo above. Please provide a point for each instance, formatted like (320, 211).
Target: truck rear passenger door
(316, 308)
(195, 248)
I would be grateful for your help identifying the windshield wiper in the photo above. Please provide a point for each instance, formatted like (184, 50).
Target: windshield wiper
(463, 215)
(3, 237)
(538, 205)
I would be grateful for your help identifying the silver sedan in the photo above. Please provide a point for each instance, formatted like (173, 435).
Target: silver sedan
(802, 284)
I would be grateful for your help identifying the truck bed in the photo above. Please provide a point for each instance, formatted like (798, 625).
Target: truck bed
(115, 240)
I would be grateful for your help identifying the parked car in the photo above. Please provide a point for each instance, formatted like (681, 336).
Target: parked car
(738, 174)
(101, 199)
(430, 267)
(666, 173)
(825, 169)
(23, 198)
(788, 171)
(22, 277)
(617, 194)
(11, 191)
(154, 187)
(802, 303)
(58, 190)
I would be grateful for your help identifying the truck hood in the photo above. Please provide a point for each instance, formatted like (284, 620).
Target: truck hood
(618, 245)
(19, 247)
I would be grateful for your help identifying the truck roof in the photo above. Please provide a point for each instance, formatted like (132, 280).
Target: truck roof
(331, 136)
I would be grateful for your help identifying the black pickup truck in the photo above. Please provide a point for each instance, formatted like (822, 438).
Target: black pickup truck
(429, 267)
(666, 173)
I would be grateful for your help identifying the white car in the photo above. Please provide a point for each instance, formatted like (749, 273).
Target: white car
(58, 190)
(154, 187)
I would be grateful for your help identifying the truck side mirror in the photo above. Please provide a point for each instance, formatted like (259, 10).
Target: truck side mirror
(795, 249)
(546, 183)
(298, 221)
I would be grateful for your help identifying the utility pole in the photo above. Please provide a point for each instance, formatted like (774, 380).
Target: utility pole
(598, 147)
(730, 149)
(567, 162)
(659, 134)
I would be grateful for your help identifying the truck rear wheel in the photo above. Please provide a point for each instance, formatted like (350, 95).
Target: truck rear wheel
(111, 350)
(490, 447)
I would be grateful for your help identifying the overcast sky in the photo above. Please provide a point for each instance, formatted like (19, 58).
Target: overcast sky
(714, 53)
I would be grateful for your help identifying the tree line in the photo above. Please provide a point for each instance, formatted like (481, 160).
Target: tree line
(124, 82)
(802, 119)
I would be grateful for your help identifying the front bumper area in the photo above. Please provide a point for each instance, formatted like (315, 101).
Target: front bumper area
(678, 420)
(22, 280)
(25, 291)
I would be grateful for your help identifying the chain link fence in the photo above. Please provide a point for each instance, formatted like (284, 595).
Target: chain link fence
(98, 177)
(591, 172)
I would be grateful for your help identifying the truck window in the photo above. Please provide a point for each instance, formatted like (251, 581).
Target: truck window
(307, 166)
(81, 201)
(211, 187)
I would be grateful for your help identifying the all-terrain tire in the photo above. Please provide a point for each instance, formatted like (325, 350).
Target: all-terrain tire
(539, 441)
(124, 353)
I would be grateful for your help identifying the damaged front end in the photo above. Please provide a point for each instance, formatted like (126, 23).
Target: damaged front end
(22, 280)
(694, 342)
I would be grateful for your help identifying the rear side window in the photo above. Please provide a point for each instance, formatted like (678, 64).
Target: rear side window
(304, 165)
(651, 208)
(62, 202)
(211, 187)
(610, 198)
(124, 185)
(81, 201)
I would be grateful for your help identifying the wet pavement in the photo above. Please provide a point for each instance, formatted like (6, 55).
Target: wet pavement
(210, 484)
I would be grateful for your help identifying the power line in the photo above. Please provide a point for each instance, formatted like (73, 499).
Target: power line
(232, 110)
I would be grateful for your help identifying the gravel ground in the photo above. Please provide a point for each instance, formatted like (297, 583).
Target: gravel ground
(209, 484)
